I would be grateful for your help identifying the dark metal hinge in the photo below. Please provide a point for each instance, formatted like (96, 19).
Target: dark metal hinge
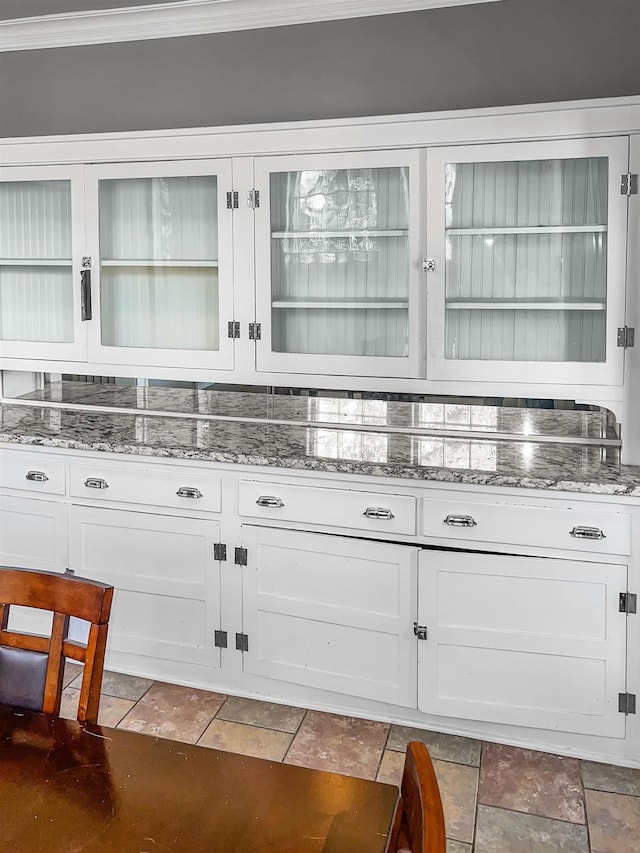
(253, 198)
(233, 329)
(220, 639)
(232, 200)
(626, 336)
(627, 703)
(219, 551)
(240, 557)
(242, 642)
(255, 331)
(420, 631)
(628, 602)
(629, 184)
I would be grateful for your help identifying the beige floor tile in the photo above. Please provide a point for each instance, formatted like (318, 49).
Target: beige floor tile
(614, 822)
(458, 847)
(607, 777)
(246, 740)
(339, 744)
(71, 672)
(504, 831)
(269, 715)
(111, 711)
(462, 750)
(171, 711)
(391, 767)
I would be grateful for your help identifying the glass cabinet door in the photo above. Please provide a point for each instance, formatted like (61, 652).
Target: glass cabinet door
(162, 263)
(336, 264)
(530, 261)
(40, 242)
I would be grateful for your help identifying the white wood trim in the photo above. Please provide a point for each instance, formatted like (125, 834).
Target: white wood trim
(191, 17)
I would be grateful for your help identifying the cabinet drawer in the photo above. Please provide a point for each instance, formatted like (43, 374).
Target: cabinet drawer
(332, 507)
(156, 488)
(538, 526)
(31, 474)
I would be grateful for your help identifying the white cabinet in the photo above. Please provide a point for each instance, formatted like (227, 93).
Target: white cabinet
(337, 261)
(41, 243)
(527, 641)
(167, 599)
(527, 243)
(331, 612)
(33, 533)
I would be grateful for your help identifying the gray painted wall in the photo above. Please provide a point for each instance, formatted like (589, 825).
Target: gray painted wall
(517, 51)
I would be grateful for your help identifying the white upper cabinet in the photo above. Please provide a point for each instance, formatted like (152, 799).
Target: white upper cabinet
(528, 244)
(41, 243)
(337, 264)
(160, 238)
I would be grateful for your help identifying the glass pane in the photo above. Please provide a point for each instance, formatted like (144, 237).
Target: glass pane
(36, 286)
(159, 263)
(526, 260)
(339, 261)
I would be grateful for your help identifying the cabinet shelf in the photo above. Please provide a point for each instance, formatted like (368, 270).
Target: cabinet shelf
(152, 263)
(525, 305)
(347, 232)
(374, 302)
(36, 262)
(528, 229)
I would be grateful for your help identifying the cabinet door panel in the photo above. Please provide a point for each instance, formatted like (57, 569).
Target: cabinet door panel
(522, 640)
(330, 612)
(167, 598)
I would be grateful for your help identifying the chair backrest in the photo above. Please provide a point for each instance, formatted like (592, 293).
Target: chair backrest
(32, 666)
(419, 825)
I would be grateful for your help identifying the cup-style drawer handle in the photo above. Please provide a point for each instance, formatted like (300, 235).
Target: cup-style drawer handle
(96, 483)
(267, 500)
(460, 521)
(37, 476)
(378, 512)
(587, 533)
(188, 492)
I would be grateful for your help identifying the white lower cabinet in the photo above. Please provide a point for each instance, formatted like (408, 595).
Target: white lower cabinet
(331, 612)
(527, 641)
(33, 533)
(167, 585)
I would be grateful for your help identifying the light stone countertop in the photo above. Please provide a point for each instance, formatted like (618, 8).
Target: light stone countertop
(261, 429)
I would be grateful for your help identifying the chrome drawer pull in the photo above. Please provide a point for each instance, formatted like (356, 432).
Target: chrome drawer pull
(460, 521)
(96, 483)
(188, 492)
(587, 533)
(267, 500)
(37, 476)
(378, 512)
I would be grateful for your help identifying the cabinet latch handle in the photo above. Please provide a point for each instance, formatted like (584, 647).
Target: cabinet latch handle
(587, 533)
(460, 521)
(378, 512)
(188, 492)
(37, 476)
(269, 501)
(85, 289)
(96, 483)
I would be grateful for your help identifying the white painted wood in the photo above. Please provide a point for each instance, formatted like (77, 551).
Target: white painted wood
(161, 287)
(341, 508)
(146, 487)
(630, 417)
(33, 533)
(15, 468)
(331, 612)
(190, 17)
(574, 373)
(167, 599)
(522, 524)
(526, 641)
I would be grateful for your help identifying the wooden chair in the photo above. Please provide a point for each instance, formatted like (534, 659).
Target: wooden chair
(419, 824)
(32, 666)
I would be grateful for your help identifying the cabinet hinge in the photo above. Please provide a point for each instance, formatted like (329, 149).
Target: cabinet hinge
(255, 331)
(232, 200)
(233, 329)
(628, 602)
(219, 551)
(242, 642)
(629, 184)
(240, 557)
(220, 639)
(627, 703)
(420, 631)
(626, 336)
(253, 198)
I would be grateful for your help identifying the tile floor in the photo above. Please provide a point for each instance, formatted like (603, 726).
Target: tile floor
(497, 799)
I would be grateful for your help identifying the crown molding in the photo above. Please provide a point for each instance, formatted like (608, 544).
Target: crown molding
(191, 17)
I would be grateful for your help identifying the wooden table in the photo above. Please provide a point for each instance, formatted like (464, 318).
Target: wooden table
(65, 789)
